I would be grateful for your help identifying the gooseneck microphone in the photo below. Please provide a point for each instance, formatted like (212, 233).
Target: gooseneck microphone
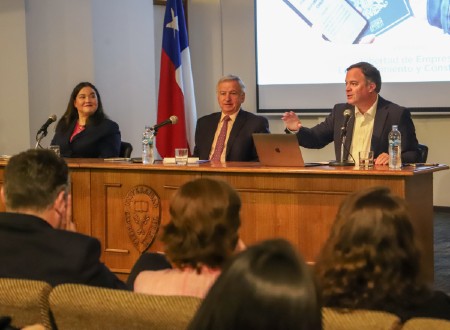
(49, 121)
(171, 120)
(347, 115)
(42, 132)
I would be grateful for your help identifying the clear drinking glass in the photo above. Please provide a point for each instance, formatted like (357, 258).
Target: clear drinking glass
(366, 159)
(181, 156)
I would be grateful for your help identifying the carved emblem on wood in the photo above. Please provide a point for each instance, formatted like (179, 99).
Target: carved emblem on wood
(142, 216)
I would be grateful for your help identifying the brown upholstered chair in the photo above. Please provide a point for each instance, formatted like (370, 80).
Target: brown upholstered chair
(343, 319)
(423, 323)
(76, 306)
(25, 301)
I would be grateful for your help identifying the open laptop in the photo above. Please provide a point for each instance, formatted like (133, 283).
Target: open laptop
(279, 150)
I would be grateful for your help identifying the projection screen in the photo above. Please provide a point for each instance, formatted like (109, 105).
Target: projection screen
(303, 48)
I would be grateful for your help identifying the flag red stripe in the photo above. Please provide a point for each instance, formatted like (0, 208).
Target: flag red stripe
(170, 102)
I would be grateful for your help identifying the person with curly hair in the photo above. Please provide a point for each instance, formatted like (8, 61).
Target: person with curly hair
(201, 236)
(372, 260)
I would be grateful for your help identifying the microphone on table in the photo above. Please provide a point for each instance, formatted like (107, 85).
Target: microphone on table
(44, 127)
(347, 115)
(171, 120)
(42, 132)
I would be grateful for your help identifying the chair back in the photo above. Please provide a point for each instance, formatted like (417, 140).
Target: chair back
(77, 306)
(25, 301)
(125, 149)
(423, 153)
(423, 323)
(344, 319)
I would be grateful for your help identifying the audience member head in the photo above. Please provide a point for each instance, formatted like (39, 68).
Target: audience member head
(371, 257)
(230, 94)
(267, 286)
(371, 73)
(83, 93)
(204, 224)
(37, 182)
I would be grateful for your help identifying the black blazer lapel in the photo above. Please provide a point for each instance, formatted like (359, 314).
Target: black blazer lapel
(379, 124)
(210, 131)
(237, 126)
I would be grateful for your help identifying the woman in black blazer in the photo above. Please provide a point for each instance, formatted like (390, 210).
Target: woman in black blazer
(85, 131)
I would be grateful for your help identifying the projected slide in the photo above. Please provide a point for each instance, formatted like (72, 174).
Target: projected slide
(303, 44)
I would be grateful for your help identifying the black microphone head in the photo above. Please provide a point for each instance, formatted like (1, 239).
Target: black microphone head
(347, 113)
(173, 119)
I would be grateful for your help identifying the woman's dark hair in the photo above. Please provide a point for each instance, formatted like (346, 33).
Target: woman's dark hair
(370, 72)
(71, 113)
(267, 286)
(204, 224)
(371, 259)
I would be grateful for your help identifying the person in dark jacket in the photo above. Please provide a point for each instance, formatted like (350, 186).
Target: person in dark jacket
(236, 142)
(84, 131)
(37, 238)
(371, 119)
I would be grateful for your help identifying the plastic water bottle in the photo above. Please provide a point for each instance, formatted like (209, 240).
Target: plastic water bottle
(395, 148)
(147, 146)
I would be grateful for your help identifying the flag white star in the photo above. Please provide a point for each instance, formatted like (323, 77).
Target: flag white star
(174, 23)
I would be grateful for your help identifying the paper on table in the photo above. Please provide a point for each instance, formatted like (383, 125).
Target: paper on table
(171, 160)
(117, 159)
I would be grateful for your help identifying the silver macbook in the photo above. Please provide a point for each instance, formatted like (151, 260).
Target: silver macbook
(279, 150)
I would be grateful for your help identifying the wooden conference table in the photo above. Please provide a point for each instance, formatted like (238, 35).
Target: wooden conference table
(126, 204)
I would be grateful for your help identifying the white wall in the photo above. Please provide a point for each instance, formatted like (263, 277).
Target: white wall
(14, 121)
(49, 46)
(124, 64)
(60, 54)
(107, 42)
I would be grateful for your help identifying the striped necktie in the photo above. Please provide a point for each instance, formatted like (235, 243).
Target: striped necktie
(221, 139)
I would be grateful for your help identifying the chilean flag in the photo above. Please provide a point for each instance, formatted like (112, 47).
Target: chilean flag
(176, 87)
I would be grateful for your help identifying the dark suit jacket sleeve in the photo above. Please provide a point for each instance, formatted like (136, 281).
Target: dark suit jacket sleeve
(388, 114)
(240, 145)
(92, 271)
(437, 305)
(109, 144)
(410, 146)
(320, 135)
(204, 134)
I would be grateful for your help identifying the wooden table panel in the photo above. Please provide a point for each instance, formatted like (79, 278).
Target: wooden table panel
(122, 198)
(298, 204)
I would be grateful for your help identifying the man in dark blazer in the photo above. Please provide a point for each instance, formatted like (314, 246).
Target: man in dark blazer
(368, 128)
(37, 238)
(239, 144)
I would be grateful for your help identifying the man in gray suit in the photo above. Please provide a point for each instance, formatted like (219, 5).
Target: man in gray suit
(236, 142)
(37, 238)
